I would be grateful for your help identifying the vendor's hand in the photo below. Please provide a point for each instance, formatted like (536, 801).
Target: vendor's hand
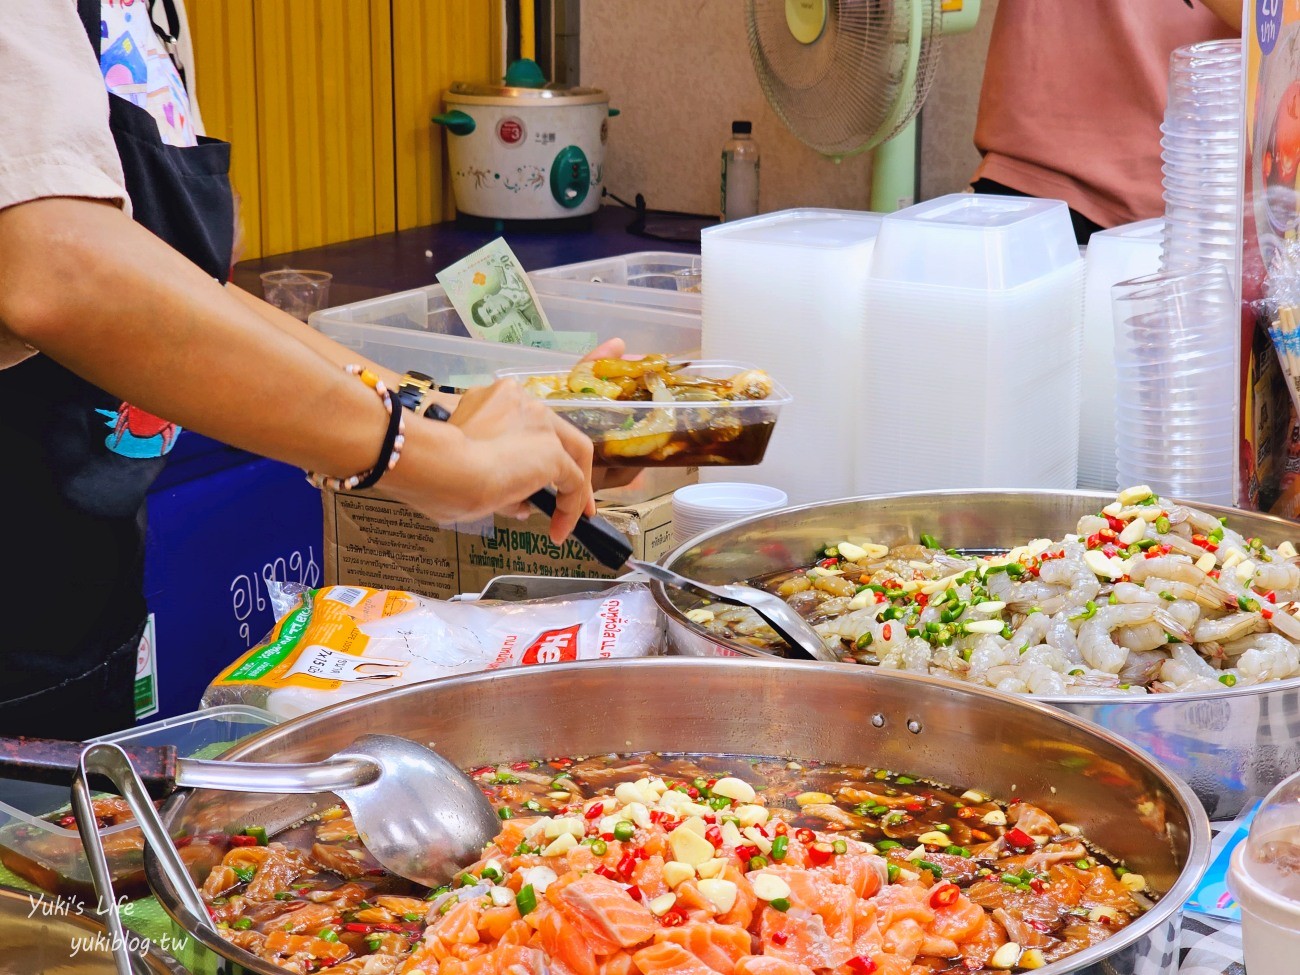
(518, 446)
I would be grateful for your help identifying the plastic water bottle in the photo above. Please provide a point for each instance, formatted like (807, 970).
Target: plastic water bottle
(739, 173)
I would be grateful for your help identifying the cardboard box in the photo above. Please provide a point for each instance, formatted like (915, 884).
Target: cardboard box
(375, 542)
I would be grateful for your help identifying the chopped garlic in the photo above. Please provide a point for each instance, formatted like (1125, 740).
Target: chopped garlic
(675, 872)
(1133, 531)
(662, 904)
(992, 606)
(696, 825)
(720, 893)
(1107, 914)
(1033, 958)
(934, 838)
(1132, 495)
(1101, 564)
(995, 817)
(565, 824)
(731, 835)
(689, 846)
(1206, 562)
(970, 795)
(1006, 956)
(639, 814)
(561, 845)
(816, 798)
(539, 877)
(1133, 882)
(1232, 558)
(627, 792)
(1245, 571)
(751, 815)
(737, 790)
(701, 616)
(1286, 550)
(755, 836)
(1069, 829)
(984, 626)
(853, 553)
(711, 868)
(770, 887)
(502, 896)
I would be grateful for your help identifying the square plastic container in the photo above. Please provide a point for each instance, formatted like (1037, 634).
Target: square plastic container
(421, 330)
(660, 279)
(678, 434)
(974, 241)
(42, 852)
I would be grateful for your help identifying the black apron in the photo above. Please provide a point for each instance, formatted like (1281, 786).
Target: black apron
(78, 463)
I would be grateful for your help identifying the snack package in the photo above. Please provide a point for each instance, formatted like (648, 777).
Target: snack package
(340, 642)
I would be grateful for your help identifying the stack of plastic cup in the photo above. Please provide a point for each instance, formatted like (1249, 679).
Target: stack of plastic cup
(1176, 383)
(1201, 148)
(698, 508)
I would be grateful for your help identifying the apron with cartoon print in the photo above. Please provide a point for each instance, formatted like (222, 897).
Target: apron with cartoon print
(79, 461)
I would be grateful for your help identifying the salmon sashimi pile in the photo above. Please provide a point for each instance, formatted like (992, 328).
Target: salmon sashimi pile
(690, 865)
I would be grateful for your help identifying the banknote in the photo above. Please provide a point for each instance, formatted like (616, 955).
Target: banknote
(493, 296)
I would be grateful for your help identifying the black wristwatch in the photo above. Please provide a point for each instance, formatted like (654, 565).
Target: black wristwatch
(412, 391)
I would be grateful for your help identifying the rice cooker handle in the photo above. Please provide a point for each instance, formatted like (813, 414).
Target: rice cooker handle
(456, 121)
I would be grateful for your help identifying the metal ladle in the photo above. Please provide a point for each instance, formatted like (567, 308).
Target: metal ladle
(417, 814)
(803, 640)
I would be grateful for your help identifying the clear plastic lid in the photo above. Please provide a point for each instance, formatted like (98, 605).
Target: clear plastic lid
(1272, 852)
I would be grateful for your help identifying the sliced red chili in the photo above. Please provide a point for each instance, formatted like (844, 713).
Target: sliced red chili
(242, 840)
(606, 872)
(356, 927)
(714, 835)
(746, 852)
(1117, 525)
(862, 965)
(820, 853)
(805, 835)
(944, 895)
(594, 811)
(626, 864)
(483, 770)
(887, 632)
(673, 919)
(1036, 885)
(519, 767)
(634, 892)
(779, 937)
(1018, 837)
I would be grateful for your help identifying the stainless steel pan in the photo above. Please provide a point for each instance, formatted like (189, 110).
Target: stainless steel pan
(1229, 746)
(1123, 801)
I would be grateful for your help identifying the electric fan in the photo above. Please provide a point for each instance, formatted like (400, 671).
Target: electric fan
(847, 76)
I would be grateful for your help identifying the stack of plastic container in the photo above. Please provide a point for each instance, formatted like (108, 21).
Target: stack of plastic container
(1201, 147)
(698, 508)
(788, 291)
(1176, 383)
(971, 363)
(1113, 255)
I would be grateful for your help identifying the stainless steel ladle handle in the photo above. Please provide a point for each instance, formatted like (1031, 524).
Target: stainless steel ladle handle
(260, 777)
(110, 762)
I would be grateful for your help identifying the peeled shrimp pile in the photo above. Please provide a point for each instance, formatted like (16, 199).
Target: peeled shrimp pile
(1147, 596)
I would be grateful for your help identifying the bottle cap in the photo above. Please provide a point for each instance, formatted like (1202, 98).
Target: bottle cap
(742, 128)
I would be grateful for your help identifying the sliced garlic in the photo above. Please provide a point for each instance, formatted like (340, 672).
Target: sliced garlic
(1106, 914)
(992, 606)
(502, 896)
(711, 868)
(735, 789)
(995, 817)
(675, 872)
(1206, 562)
(1133, 531)
(755, 836)
(639, 814)
(1114, 508)
(1006, 956)
(695, 824)
(628, 792)
(672, 800)
(662, 904)
(1069, 829)
(701, 616)
(984, 626)
(854, 553)
(770, 887)
(607, 825)
(1132, 495)
(1245, 571)
(862, 600)
(563, 825)
(934, 838)
(1033, 958)
(1286, 550)
(1232, 558)
(751, 815)
(731, 835)
(1101, 564)
(689, 846)
(720, 893)
(970, 795)
(557, 794)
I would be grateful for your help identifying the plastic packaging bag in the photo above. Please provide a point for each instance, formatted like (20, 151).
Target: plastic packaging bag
(341, 642)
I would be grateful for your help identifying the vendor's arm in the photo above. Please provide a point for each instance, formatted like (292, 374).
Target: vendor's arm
(88, 287)
(1228, 11)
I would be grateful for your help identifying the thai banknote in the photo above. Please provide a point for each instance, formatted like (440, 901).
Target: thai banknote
(493, 296)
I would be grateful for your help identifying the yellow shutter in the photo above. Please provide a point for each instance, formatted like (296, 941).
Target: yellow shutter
(327, 105)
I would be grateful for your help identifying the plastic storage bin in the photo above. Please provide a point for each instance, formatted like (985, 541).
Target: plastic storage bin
(50, 856)
(660, 279)
(421, 330)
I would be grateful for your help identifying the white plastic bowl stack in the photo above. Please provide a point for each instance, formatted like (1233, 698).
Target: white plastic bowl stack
(787, 291)
(698, 508)
(971, 373)
(1113, 255)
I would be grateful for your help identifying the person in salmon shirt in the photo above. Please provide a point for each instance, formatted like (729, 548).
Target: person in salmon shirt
(1073, 97)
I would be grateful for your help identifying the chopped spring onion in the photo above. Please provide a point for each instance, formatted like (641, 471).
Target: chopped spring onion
(242, 924)
(504, 812)
(893, 872)
(781, 904)
(328, 934)
(258, 833)
(526, 899)
(929, 541)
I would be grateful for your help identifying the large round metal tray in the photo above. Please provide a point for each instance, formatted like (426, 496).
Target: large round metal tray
(1229, 746)
(1124, 802)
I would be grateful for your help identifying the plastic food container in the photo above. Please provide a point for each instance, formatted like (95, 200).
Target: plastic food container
(421, 330)
(40, 851)
(1264, 877)
(678, 434)
(661, 279)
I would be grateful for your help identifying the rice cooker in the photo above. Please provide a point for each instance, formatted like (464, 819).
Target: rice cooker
(520, 152)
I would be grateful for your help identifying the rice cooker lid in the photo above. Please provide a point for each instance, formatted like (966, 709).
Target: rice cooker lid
(545, 95)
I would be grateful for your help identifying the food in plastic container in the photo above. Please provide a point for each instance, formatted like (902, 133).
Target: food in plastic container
(652, 412)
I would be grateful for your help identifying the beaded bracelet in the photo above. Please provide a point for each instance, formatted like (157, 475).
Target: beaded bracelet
(394, 439)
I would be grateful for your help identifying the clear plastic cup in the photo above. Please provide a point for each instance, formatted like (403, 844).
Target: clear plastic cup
(296, 291)
(1264, 878)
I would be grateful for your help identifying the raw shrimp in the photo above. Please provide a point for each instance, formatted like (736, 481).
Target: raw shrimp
(1277, 575)
(1273, 657)
(1096, 644)
(583, 379)
(1083, 584)
(1226, 628)
(1176, 568)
